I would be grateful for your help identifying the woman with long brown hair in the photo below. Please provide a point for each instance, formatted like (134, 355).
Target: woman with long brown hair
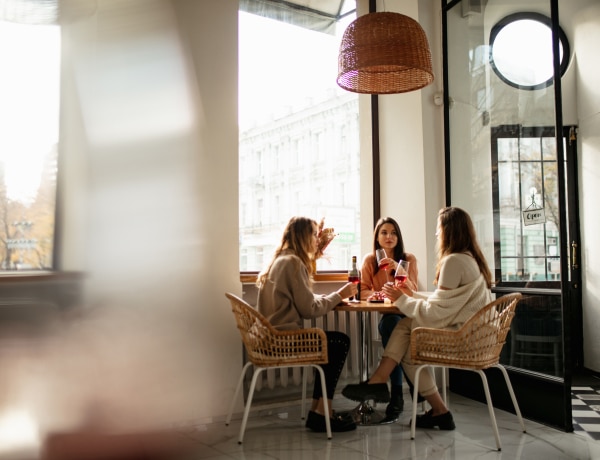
(286, 299)
(463, 286)
(387, 236)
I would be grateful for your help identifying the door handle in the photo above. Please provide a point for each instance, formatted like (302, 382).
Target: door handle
(574, 255)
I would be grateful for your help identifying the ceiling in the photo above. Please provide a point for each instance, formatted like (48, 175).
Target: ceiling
(45, 11)
(320, 15)
(313, 14)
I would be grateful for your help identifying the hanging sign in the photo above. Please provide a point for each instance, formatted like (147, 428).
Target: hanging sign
(534, 216)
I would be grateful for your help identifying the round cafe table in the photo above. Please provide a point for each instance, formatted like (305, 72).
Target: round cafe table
(364, 413)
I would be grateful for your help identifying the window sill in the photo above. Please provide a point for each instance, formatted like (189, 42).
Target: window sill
(320, 277)
(34, 276)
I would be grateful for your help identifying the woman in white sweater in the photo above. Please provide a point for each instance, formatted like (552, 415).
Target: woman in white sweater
(463, 281)
(285, 298)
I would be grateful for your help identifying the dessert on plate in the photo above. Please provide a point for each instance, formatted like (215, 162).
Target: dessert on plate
(376, 297)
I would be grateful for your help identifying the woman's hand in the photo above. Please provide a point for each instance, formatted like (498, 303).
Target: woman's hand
(388, 263)
(393, 293)
(348, 290)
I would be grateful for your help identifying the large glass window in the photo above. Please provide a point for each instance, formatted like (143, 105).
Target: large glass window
(299, 136)
(526, 200)
(29, 91)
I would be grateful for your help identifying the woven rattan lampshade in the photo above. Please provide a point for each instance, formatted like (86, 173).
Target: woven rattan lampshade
(384, 53)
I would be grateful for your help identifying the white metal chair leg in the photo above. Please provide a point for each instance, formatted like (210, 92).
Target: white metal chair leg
(257, 371)
(413, 420)
(512, 396)
(325, 399)
(444, 389)
(304, 384)
(237, 392)
(488, 398)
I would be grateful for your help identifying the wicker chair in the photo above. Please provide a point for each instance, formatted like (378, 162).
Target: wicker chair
(475, 346)
(268, 348)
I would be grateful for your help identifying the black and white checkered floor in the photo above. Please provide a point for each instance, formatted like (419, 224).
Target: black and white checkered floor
(586, 410)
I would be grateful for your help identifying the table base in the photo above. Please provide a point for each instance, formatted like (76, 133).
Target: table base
(365, 415)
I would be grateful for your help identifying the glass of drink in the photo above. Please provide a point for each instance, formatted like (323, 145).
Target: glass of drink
(380, 253)
(401, 273)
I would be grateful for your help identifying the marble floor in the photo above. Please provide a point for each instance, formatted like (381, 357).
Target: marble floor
(278, 433)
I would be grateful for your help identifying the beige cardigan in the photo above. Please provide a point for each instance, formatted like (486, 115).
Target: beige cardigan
(286, 298)
(446, 308)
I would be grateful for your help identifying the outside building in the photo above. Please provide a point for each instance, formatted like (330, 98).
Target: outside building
(305, 163)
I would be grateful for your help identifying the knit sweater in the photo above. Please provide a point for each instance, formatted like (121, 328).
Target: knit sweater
(446, 308)
(286, 298)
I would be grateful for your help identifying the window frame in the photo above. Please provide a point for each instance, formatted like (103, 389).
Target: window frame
(531, 16)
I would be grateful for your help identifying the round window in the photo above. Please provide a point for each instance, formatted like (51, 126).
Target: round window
(521, 50)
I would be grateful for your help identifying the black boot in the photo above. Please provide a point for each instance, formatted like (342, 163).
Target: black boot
(395, 407)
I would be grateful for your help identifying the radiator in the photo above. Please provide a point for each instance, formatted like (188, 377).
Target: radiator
(286, 384)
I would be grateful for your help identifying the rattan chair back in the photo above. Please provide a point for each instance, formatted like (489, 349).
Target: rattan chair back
(268, 347)
(475, 345)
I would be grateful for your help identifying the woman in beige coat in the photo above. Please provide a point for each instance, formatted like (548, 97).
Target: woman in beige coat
(286, 299)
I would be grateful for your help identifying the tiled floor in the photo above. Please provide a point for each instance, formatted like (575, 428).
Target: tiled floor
(586, 411)
(279, 433)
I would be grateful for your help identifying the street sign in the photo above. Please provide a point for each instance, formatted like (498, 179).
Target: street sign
(21, 243)
(345, 237)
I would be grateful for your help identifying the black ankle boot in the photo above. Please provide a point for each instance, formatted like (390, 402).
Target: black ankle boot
(396, 405)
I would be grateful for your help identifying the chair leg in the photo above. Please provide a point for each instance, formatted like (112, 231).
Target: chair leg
(304, 384)
(257, 371)
(444, 387)
(488, 398)
(512, 396)
(325, 399)
(413, 420)
(237, 392)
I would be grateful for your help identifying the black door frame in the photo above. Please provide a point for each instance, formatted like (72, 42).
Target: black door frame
(543, 398)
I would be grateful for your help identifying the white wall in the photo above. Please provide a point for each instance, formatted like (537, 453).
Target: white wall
(586, 36)
(411, 143)
(150, 192)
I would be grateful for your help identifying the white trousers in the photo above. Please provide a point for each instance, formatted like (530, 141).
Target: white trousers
(398, 349)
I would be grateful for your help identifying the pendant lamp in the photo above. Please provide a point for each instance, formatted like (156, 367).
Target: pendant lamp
(384, 53)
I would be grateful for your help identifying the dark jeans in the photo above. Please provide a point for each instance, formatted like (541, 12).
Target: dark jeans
(338, 345)
(387, 323)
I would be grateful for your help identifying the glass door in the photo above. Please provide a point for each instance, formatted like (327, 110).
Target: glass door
(509, 163)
